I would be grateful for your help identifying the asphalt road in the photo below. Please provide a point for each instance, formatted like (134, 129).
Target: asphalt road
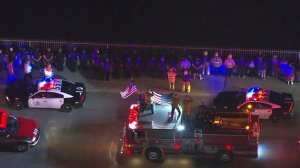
(87, 137)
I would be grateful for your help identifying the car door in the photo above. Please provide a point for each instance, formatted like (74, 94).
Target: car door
(38, 100)
(264, 110)
(55, 100)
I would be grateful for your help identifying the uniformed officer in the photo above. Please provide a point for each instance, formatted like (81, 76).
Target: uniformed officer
(72, 60)
(37, 59)
(83, 59)
(27, 71)
(2, 60)
(48, 56)
(60, 59)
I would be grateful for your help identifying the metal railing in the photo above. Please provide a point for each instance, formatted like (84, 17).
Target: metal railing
(157, 49)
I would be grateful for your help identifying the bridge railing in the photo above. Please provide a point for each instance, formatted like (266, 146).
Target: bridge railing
(178, 50)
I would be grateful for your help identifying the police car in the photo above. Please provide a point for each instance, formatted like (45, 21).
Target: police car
(265, 103)
(46, 93)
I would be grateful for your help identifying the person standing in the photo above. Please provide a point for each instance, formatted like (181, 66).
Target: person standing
(206, 63)
(197, 68)
(251, 67)
(230, 64)
(60, 59)
(83, 59)
(185, 64)
(106, 66)
(149, 100)
(2, 60)
(186, 79)
(217, 63)
(175, 105)
(10, 71)
(172, 78)
(72, 60)
(241, 67)
(186, 106)
(37, 59)
(27, 71)
(263, 69)
(162, 68)
(48, 57)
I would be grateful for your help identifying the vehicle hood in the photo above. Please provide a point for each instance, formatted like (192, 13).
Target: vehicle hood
(27, 128)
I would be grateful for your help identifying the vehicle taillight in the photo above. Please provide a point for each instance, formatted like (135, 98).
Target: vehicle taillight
(81, 99)
(127, 146)
(228, 147)
(177, 146)
(291, 107)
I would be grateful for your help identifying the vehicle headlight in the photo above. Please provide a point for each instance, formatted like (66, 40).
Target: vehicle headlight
(7, 98)
(34, 139)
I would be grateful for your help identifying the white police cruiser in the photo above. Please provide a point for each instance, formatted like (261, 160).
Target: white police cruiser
(46, 93)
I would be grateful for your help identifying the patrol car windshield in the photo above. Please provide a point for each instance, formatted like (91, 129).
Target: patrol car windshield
(12, 125)
(68, 87)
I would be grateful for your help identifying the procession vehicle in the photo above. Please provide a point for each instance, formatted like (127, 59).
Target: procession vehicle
(265, 103)
(46, 93)
(17, 133)
(226, 136)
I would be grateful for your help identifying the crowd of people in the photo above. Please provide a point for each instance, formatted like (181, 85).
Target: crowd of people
(119, 63)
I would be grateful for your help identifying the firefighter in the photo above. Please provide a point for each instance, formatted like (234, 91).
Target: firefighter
(186, 78)
(27, 70)
(172, 78)
(186, 106)
(175, 105)
(149, 100)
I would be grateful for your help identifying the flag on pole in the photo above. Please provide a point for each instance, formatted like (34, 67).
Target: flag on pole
(130, 89)
(162, 98)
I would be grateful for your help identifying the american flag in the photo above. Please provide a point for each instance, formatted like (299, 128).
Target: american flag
(130, 89)
(162, 98)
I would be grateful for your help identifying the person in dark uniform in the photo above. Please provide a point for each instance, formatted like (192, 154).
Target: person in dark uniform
(2, 60)
(72, 60)
(60, 59)
(116, 65)
(83, 59)
(48, 56)
(96, 60)
(138, 66)
(151, 67)
(106, 66)
(128, 67)
(162, 68)
(37, 59)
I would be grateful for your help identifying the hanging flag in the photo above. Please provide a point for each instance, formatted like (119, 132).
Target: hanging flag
(162, 98)
(130, 89)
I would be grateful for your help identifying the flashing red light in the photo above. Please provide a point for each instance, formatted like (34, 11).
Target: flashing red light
(228, 147)
(81, 99)
(3, 118)
(177, 146)
(133, 117)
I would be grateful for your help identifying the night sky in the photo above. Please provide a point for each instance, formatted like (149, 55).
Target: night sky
(223, 23)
